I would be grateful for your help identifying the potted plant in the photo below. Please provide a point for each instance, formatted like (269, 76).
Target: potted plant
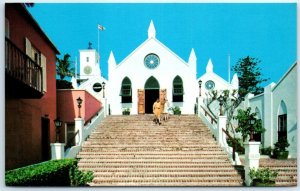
(266, 151)
(263, 177)
(176, 110)
(280, 151)
(248, 125)
(126, 111)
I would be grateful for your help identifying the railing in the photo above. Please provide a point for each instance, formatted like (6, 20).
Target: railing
(234, 143)
(206, 113)
(21, 67)
(218, 133)
(86, 131)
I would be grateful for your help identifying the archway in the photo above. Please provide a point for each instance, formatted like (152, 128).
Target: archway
(260, 136)
(151, 93)
(282, 120)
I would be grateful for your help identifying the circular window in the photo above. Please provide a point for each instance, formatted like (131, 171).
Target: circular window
(210, 85)
(87, 70)
(151, 61)
(97, 87)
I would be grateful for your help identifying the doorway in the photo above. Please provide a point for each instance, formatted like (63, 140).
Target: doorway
(45, 138)
(150, 97)
(151, 93)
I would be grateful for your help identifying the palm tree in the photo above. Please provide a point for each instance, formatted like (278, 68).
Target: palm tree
(63, 67)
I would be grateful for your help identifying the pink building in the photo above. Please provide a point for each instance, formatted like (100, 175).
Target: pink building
(30, 89)
(67, 111)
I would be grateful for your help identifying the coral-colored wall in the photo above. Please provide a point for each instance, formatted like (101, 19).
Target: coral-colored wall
(23, 116)
(68, 109)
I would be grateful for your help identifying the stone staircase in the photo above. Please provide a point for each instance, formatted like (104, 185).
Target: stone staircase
(133, 151)
(287, 170)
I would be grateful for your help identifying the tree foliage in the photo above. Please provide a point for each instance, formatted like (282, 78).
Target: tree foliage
(63, 67)
(230, 102)
(243, 117)
(250, 76)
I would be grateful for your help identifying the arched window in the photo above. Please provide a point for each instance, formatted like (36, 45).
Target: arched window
(282, 120)
(177, 89)
(260, 136)
(126, 91)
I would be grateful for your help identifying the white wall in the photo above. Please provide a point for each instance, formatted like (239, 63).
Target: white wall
(286, 90)
(268, 104)
(170, 66)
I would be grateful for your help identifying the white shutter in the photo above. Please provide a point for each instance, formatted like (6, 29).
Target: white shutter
(6, 28)
(44, 71)
(28, 47)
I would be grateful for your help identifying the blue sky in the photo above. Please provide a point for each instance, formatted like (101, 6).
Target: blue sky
(263, 31)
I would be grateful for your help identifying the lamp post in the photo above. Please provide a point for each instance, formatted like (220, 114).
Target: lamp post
(200, 84)
(221, 100)
(58, 124)
(103, 87)
(79, 102)
(251, 122)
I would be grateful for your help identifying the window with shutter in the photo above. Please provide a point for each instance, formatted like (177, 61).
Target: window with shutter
(44, 72)
(178, 89)
(6, 28)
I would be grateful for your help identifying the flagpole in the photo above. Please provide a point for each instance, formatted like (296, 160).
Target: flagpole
(229, 68)
(98, 46)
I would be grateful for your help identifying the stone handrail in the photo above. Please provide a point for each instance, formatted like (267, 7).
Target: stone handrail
(217, 127)
(86, 131)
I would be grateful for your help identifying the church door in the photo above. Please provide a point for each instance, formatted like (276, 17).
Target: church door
(151, 93)
(141, 101)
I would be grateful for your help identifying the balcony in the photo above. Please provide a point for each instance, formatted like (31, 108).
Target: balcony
(23, 76)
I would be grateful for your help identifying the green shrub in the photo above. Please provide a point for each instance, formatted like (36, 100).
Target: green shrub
(176, 110)
(263, 175)
(51, 173)
(266, 151)
(79, 178)
(282, 144)
(126, 111)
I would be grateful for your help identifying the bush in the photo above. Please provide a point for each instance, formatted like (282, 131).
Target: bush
(266, 151)
(243, 117)
(263, 176)
(126, 111)
(176, 110)
(282, 144)
(51, 173)
(79, 178)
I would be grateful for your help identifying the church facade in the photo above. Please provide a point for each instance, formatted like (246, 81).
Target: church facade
(153, 71)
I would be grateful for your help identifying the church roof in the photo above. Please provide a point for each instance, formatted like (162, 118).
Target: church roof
(152, 37)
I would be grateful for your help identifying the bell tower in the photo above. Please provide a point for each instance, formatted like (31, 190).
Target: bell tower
(89, 63)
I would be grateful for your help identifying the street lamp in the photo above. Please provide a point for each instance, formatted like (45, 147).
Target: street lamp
(251, 122)
(79, 102)
(221, 101)
(58, 124)
(103, 87)
(200, 83)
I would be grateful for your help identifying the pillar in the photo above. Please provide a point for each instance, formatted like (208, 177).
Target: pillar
(252, 157)
(57, 151)
(221, 125)
(79, 123)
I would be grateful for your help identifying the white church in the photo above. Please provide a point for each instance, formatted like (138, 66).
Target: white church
(154, 71)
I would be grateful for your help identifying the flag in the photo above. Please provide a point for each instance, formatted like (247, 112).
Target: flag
(101, 27)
